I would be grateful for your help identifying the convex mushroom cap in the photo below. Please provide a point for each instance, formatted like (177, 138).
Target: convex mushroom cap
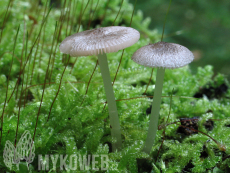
(162, 54)
(99, 41)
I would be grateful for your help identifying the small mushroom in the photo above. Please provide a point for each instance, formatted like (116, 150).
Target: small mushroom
(99, 42)
(161, 55)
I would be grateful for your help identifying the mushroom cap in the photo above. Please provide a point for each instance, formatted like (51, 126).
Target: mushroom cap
(101, 40)
(162, 54)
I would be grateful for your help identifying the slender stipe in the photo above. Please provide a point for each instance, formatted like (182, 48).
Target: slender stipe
(122, 50)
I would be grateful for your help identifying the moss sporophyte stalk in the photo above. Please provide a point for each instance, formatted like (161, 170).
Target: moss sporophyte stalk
(43, 93)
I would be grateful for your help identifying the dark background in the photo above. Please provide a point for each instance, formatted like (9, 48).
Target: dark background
(203, 26)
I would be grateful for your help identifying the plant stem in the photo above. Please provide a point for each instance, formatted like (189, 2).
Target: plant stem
(153, 124)
(113, 115)
(165, 21)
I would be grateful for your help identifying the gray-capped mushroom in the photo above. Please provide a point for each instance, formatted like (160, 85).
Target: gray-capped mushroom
(99, 42)
(161, 55)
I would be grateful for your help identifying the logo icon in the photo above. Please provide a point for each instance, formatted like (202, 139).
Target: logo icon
(24, 150)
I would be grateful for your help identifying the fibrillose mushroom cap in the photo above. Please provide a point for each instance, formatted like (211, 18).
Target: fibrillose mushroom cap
(98, 41)
(162, 54)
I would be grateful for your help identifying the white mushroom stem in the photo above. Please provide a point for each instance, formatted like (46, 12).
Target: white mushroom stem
(113, 115)
(153, 124)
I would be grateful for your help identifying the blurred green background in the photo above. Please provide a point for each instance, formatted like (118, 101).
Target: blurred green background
(203, 26)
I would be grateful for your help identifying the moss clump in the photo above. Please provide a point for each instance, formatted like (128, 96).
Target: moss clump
(84, 129)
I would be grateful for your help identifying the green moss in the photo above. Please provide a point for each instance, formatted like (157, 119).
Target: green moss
(73, 128)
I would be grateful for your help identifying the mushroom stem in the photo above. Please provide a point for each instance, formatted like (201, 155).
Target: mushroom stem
(113, 115)
(153, 124)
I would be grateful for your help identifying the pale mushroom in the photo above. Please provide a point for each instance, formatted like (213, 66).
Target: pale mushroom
(161, 55)
(99, 42)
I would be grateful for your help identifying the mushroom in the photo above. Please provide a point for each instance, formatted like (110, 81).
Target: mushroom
(161, 55)
(99, 42)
